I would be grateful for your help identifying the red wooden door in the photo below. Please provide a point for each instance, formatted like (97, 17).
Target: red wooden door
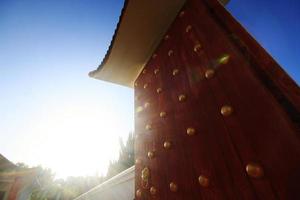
(216, 117)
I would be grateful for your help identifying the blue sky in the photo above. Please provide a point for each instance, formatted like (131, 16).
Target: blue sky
(52, 113)
(48, 103)
(275, 25)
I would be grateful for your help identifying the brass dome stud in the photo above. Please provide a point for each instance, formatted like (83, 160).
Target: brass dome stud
(162, 114)
(226, 110)
(209, 73)
(145, 85)
(156, 71)
(159, 90)
(144, 71)
(150, 154)
(148, 127)
(167, 145)
(170, 52)
(203, 181)
(197, 47)
(175, 72)
(138, 193)
(181, 97)
(188, 28)
(139, 109)
(173, 187)
(138, 161)
(254, 170)
(153, 190)
(190, 131)
(146, 105)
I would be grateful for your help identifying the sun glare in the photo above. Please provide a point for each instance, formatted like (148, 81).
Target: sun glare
(75, 140)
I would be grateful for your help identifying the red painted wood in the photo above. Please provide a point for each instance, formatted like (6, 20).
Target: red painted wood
(264, 127)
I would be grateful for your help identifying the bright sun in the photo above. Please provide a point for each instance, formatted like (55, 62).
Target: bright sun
(75, 140)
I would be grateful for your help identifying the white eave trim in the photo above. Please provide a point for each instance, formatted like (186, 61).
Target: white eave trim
(141, 27)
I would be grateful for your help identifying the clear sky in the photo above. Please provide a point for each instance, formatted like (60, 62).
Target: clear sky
(275, 24)
(52, 113)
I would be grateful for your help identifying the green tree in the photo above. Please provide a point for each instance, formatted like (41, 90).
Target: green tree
(49, 188)
(126, 157)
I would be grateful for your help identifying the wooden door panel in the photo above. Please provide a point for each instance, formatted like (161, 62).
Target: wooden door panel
(213, 71)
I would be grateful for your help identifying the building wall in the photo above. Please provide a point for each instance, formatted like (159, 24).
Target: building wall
(17, 185)
(2, 195)
(5, 186)
(211, 122)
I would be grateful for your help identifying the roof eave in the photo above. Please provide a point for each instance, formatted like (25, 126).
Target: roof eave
(135, 40)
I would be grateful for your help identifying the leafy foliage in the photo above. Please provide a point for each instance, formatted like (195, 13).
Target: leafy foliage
(49, 188)
(126, 157)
